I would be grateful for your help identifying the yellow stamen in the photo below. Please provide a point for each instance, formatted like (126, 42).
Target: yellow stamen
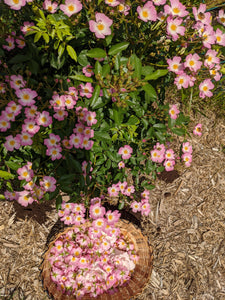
(100, 26)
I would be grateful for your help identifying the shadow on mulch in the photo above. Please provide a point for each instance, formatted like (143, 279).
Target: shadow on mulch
(36, 211)
(168, 177)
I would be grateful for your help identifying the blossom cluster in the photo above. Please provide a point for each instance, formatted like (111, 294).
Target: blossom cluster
(25, 103)
(177, 18)
(188, 70)
(92, 257)
(192, 65)
(167, 157)
(13, 40)
(125, 152)
(32, 192)
(122, 189)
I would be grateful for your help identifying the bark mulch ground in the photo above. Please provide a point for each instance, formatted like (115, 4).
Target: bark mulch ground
(186, 229)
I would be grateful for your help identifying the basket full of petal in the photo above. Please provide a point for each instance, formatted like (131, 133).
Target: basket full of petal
(103, 257)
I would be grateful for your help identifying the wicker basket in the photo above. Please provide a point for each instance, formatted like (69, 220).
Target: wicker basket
(135, 285)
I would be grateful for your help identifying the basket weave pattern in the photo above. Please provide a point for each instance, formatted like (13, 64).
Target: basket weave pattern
(134, 286)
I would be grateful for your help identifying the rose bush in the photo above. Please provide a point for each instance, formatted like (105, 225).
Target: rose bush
(83, 84)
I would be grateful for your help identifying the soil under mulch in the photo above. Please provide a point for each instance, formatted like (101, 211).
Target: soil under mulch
(186, 229)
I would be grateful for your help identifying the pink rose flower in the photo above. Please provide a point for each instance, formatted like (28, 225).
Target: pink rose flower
(101, 27)
(198, 130)
(71, 7)
(16, 5)
(125, 152)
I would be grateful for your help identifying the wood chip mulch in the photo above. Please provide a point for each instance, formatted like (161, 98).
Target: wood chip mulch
(186, 229)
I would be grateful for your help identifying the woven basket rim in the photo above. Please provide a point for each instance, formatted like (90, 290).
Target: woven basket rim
(133, 286)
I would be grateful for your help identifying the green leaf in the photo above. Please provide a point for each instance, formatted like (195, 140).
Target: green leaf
(66, 189)
(133, 160)
(178, 131)
(118, 177)
(13, 165)
(81, 78)
(149, 166)
(102, 136)
(30, 32)
(105, 70)
(9, 186)
(42, 14)
(182, 120)
(96, 53)
(117, 116)
(34, 67)
(114, 137)
(59, 33)
(139, 111)
(58, 202)
(136, 62)
(19, 59)
(56, 44)
(105, 93)
(113, 156)
(147, 186)
(109, 38)
(95, 96)
(98, 68)
(121, 205)
(54, 194)
(46, 38)
(118, 48)
(159, 135)
(100, 161)
(171, 123)
(108, 164)
(2, 52)
(117, 62)
(156, 74)
(150, 132)
(99, 1)
(6, 175)
(105, 126)
(145, 123)
(149, 89)
(67, 178)
(72, 53)
(61, 49)
(37, 37)
(82, 59)
(147, 70)
(56, 62)
(46, 196)
(133, 120)
(160, 169)
(96, 148)
(99, 103)
(104, 144)
(159, 126)
(74, 163)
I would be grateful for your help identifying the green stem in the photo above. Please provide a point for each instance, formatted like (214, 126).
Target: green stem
(190, 102)
(158, 65)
